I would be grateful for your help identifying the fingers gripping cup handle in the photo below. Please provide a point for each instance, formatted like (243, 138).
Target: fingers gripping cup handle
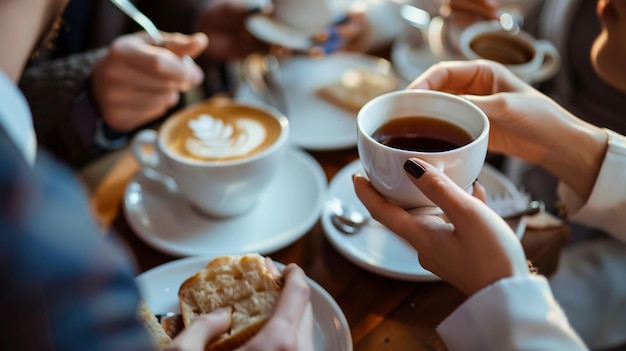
(144, 148)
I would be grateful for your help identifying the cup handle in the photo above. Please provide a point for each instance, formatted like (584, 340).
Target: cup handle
(551, 61)
(144, 148)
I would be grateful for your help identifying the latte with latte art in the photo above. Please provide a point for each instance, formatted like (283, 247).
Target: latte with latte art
(220, 133)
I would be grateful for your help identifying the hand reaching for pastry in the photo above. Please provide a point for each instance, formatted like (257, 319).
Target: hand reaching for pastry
(289, 328)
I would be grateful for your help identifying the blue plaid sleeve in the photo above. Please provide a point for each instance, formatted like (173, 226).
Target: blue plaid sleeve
(65, 286)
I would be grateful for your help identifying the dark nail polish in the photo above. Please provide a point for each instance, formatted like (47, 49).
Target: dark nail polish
(414, 169)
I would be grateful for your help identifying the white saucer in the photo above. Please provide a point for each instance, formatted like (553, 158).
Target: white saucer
(411, 56)
(314, 123)
(270, 31)
(288, 208)
(159, 287)
(377, 249)
(411, 60)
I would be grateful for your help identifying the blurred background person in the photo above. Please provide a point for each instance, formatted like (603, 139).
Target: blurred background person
(98, 83)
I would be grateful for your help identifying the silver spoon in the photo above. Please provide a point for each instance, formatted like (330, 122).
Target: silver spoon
(511, 21)
(347, 219)
(133, 12)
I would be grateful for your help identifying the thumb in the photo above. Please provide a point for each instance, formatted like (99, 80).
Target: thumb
(186, 45)
(203, 329)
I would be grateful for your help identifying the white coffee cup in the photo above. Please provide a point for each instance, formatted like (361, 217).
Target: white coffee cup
(533, 60)
(221, 156)
(309, 16)
(384, 164)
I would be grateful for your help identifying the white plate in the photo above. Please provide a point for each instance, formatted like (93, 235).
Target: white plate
(270, 31)
(159, 288)
(314, 123)
(287, 209)
(377, 249)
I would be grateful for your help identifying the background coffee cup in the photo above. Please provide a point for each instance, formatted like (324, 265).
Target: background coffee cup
(309, 16)
(533, 60)
(221, 156)
(384, 164)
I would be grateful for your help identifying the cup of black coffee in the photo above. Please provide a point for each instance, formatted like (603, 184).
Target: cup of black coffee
(442, 129)
(533, 60)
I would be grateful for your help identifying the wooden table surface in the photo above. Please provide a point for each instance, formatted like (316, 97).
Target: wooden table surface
(383, 313)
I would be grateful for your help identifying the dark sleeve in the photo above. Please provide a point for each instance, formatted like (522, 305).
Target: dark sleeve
(63, 114)
(65, 286)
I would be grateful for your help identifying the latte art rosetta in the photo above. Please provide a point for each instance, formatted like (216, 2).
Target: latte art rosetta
(212, 138)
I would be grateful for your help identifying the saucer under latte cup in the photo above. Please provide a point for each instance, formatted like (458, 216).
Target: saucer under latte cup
(308, 16)
(442, 129)
(220, 155)
(533, 60)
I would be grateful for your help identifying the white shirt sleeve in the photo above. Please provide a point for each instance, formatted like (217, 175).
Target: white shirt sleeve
(517, 313)
(606, 207)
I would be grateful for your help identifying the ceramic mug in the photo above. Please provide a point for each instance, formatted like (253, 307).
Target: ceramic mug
(533, 60)
(220, 156)
(309, 16)
(442, 129)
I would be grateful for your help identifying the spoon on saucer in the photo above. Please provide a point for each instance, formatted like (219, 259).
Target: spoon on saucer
(345, 217)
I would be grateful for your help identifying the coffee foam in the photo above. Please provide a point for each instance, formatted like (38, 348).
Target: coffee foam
(219, 133)
(213, 138)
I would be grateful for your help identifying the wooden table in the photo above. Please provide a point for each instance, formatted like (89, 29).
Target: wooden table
(383, 313)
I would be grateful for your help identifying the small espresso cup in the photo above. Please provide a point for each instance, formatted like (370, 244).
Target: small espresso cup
(309, 16)
(533, 60)
(442, 129)
(221, 155)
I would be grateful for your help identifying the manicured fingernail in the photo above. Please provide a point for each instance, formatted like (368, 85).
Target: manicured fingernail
(414, 169)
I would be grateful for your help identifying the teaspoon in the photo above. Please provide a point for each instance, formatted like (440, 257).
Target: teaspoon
(346, 218)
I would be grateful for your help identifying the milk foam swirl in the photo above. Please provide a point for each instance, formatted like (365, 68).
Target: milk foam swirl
(212, 138)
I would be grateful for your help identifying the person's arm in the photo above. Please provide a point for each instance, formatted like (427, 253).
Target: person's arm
(65, 286)
(63, 115)
(512, 314)
(606, 204)
(476, 251)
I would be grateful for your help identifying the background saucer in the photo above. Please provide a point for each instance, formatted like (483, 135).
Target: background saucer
(316, 124)
(377, 249)
(159, 287)
(270, 31)
(287, 209)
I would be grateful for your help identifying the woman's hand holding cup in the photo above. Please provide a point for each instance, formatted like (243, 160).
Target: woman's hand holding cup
(472, 249)
(524, 123)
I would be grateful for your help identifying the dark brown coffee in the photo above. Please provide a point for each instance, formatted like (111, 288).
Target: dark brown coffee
(423, 134)
(502, 47)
